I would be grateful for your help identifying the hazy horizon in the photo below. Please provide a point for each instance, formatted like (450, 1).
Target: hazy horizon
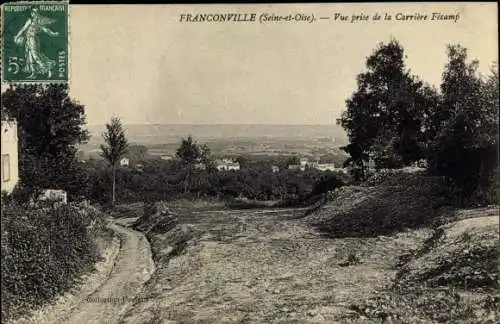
(172, 133)
(215, 124)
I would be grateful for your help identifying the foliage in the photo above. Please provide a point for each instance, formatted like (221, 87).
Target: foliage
(44, 251)
(396, 120)
(465, 126)
(116, 142)
(386, 113)
(166, 180)
(398, 202)
(50, 126)
(114, 149)
(189, 151)
(206, 158)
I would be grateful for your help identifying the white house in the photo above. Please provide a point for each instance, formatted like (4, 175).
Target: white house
(59, 196)
(124, 162)
(275, 168)
(10, 167)
(200, 166)
(326, 167)
(227, 164)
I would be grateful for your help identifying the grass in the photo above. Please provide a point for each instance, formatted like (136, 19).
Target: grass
(452, 277)
(409, 202)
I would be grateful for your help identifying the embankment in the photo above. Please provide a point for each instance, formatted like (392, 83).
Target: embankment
(46, 253)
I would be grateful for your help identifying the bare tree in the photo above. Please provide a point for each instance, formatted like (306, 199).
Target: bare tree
(116, 146)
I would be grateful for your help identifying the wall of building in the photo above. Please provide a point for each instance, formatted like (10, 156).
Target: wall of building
(10, 155)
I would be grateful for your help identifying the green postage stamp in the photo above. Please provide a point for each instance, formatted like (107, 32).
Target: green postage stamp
(35, 42)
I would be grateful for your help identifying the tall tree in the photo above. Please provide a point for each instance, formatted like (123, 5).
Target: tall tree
(189, 153)
(116, 146)
(51, 125)
(386, 112)
(465, 125)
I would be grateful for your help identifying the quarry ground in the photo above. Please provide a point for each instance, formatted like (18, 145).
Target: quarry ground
(272, 266)
(262, 266)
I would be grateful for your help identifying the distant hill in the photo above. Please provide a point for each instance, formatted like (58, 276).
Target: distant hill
(151, 134)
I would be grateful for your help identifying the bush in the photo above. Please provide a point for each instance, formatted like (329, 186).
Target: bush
(44, 252)
(398, 202)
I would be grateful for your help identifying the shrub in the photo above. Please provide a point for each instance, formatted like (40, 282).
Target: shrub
(400, 201)
(44, 252)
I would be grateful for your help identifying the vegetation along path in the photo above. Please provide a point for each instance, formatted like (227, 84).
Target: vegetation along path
(133, 267)
(105, 296)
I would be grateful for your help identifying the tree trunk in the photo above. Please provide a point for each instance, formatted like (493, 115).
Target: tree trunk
(114, 186)
(188, 179)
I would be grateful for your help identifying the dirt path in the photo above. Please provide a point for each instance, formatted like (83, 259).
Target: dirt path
(104, 295)
(133, 267)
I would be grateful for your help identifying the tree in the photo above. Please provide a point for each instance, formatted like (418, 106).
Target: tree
(116, 146)
(50, 128)
(206, 158)
(357, 159)
(189, 153)
(465, 125)
(388, 109)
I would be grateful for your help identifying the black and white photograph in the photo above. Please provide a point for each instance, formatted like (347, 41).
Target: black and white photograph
(250, 163)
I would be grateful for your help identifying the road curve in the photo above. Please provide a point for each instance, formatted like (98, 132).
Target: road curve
(133, 268)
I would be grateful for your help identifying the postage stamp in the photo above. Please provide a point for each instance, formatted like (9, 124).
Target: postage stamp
(35, 42)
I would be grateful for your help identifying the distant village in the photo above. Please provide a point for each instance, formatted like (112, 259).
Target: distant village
(135, 161)
(229, 164)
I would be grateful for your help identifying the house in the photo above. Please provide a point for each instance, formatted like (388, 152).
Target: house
(124, 162)
(313, 164)
(166, 157)
(139, 167)
(200, 166)
(9, 163)
(227, 164)
(304, 162)
(233, 166)
(275, 168)
(326, 167)
(54, 195)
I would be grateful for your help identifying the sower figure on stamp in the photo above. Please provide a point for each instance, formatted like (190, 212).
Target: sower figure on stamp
(36, 61)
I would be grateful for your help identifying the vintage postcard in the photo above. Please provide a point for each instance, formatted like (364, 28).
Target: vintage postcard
(250, 163)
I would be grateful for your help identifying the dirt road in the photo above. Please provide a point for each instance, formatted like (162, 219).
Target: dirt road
(105, 295)
(133, 267)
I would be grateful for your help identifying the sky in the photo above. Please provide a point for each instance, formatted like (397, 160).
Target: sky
(140, 63)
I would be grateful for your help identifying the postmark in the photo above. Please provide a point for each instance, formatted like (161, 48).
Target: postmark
(35, 42)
